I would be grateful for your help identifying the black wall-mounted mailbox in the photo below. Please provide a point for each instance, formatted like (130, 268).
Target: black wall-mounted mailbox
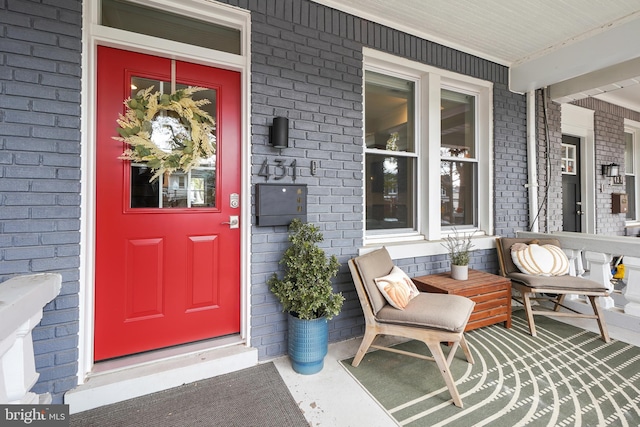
(279, 204)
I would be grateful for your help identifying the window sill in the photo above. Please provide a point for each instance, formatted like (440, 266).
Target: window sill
(402, 250)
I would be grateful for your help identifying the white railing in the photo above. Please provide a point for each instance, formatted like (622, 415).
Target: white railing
(21, 301)
(597, 252)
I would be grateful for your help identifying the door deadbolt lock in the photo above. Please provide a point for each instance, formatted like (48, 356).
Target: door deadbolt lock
(234, 200)
(234, 222)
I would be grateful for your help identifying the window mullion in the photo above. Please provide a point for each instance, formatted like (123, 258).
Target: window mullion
(431, 159)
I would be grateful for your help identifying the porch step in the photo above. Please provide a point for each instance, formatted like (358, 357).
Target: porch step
(126, 382)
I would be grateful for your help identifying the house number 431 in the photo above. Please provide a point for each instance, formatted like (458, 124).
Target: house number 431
(279, 169)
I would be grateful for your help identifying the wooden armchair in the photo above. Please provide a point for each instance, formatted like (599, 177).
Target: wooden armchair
(552, 288)
(430, 318)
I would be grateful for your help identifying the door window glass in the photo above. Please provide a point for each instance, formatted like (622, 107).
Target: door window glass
(569, 159)
(193, 189)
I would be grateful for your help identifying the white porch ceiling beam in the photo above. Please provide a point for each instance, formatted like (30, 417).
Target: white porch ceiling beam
(597, 82)
(606, 48)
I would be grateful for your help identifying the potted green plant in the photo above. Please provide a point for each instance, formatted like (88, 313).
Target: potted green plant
(459, 246)
(305, 292)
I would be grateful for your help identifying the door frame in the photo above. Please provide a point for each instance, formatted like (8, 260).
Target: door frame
(578, 122)
(94, 35)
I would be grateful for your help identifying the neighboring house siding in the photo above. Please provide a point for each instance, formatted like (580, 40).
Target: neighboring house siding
(40, 48)
(608, 126)
(307, 65)
(609, 144)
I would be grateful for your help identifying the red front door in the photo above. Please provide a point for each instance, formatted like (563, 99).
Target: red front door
(167, 265)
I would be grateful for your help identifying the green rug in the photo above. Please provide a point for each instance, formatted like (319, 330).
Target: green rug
(564, 377)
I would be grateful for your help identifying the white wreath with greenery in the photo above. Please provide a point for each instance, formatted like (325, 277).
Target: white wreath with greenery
(191, 136)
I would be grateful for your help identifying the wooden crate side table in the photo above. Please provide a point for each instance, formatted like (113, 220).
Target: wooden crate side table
(491, 293)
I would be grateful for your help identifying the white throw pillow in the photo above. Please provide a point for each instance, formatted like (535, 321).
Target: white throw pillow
(540, 260)
(397, 288)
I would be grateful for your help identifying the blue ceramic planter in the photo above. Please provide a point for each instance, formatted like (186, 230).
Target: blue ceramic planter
(308, 343)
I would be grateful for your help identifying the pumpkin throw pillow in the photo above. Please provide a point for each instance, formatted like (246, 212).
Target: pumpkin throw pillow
(397, 288)
(540, 260)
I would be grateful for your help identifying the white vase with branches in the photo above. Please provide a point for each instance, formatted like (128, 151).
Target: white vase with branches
(459, 246)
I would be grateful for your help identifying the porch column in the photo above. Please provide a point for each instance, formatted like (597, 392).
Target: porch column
(22, 299)
(600, 271)
(632, 290)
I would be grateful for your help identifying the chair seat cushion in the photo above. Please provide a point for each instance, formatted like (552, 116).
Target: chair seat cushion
(569, 283)
(438, 311)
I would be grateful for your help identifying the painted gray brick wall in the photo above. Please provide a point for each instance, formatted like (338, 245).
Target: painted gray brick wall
(610, 146)
(510, 163)
(307, 66)
(549, 137)
(40, 46)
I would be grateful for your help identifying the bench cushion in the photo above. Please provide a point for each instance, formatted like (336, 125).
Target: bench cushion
(568, 283)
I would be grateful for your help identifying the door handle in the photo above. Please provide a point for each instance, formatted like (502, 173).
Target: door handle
(234, 221)
(579, 212)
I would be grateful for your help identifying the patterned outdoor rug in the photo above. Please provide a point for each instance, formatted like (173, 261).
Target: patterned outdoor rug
(564, 377)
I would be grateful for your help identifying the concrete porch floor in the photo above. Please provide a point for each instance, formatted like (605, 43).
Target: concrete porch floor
(333, 398)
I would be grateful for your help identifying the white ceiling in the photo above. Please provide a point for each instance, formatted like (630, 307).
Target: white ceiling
(582, 47)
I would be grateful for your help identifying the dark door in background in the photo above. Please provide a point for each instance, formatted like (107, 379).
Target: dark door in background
(571, 200)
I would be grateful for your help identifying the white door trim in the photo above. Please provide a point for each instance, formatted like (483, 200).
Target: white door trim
(94, 35)
(578, 121)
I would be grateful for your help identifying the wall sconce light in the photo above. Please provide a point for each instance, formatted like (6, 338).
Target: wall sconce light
(611, 170)
(279, 132)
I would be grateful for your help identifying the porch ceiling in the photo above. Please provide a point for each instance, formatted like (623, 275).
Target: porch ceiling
(578, 48)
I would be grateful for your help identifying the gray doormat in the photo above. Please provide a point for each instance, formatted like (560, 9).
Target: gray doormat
(256, 396)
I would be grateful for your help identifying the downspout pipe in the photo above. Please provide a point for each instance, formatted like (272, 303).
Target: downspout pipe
(532, 161)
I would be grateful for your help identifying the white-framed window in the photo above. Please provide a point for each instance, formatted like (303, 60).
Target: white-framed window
(631, 165)
(428, 151)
